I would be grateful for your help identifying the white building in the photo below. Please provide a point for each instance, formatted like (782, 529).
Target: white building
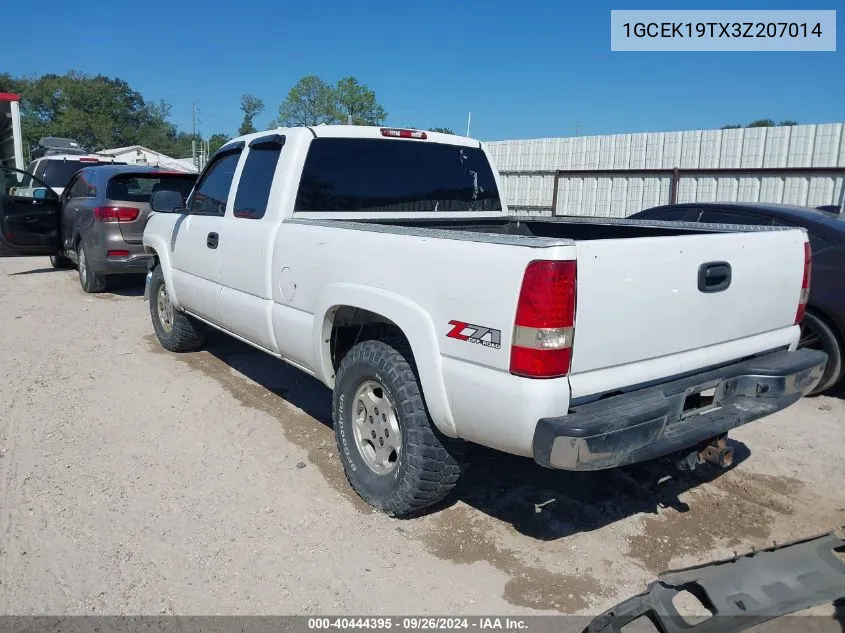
(617, 175)
(139, 155)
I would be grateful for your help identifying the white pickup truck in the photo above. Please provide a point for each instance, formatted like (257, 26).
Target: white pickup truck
(384, 262)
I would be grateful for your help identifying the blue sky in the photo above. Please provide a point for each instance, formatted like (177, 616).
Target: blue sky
(524, 69)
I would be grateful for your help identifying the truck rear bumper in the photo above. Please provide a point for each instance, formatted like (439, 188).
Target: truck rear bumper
(661, 419)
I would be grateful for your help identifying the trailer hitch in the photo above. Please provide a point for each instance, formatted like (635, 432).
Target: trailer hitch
(713, 451)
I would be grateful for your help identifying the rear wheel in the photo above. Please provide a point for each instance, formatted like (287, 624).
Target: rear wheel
(88, 279)
(175, 331)
(817, 334)
(60, 261)
(393, 456)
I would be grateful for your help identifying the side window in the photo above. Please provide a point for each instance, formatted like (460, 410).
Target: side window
(81, 188)
(257, 177)
(38, 170)
(212, 191)
(725, 217)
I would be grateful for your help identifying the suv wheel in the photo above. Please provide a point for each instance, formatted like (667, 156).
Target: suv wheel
(60, 262)
(88, 279)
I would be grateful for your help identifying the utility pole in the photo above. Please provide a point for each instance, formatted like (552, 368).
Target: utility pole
(469, 119)
(577, 129)
(194, 133)
(196, 154)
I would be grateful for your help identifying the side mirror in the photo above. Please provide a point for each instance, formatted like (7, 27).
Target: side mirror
(166, 201)
(40, 193)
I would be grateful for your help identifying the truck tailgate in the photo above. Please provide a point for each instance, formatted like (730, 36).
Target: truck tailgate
(639, 299)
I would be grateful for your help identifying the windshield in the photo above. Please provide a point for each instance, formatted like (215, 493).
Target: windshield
(140, 187)
(353, 174)
(58, 173)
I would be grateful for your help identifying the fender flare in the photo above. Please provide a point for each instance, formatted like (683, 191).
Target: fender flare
(158, 246)
(411, 318)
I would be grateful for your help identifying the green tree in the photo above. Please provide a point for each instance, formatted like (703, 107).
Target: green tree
(731, 127)
(444, 130)
(355, 100)
(309, 102)
(251, 107)
(762, 123)
(217, 141)
(97, 111)
(788, 122)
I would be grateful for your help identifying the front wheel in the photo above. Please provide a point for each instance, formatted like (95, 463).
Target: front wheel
(60, 262)
(393, 456)
(175, 331)
(817, 334)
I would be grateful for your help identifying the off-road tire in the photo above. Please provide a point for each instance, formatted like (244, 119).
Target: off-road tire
(88, 279)
(831, 345)
(186, 334)
(429, 464)
(60, 262)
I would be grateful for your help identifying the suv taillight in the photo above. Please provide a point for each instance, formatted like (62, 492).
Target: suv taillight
(116, 214)
(805, 284)
(545, 320)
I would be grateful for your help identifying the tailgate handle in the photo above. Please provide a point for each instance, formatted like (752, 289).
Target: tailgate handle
(714, 276)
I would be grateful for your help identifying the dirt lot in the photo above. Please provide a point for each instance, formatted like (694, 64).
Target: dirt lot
(138, 481)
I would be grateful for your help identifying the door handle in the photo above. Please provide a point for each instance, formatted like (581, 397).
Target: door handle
(212, 240)
(714, 276)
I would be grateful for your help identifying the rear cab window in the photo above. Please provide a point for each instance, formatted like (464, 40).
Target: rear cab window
(375, 175)
(139, 187)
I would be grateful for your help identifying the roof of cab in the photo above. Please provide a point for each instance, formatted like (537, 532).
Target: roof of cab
(357, 131)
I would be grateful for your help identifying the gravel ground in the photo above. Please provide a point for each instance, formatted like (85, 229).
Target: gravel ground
(135, 481)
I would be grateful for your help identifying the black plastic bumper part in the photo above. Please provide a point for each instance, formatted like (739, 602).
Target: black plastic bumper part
(655, 421)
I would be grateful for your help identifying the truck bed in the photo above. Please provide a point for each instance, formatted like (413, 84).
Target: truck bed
(571, 227)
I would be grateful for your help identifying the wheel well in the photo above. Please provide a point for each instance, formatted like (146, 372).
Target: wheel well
(155, 258)
(351, 325)
(840, 336)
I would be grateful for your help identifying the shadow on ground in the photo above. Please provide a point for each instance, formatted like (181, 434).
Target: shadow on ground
(38, 271)
(838, 391)
(538, 502)
(126, 285)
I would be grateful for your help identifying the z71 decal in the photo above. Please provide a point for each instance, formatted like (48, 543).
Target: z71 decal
(486, 336)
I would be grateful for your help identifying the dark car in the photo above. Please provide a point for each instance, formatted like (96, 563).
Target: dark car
(823, 326)
(104, 210)
(52, 145)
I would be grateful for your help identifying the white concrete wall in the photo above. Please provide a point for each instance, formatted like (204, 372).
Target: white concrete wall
(528, 189)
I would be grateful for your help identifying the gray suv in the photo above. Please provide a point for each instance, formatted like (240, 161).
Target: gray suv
(103, 212)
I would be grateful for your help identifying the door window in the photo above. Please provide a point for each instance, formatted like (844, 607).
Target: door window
(212, 191)
(22, 184)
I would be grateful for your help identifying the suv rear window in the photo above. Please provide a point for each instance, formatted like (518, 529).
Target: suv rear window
(57, 173)
(141, 187)
(351, 174)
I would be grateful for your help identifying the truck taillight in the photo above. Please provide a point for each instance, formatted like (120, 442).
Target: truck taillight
(403, 133)
(116, 214)
(805, 284)
(545, 320)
